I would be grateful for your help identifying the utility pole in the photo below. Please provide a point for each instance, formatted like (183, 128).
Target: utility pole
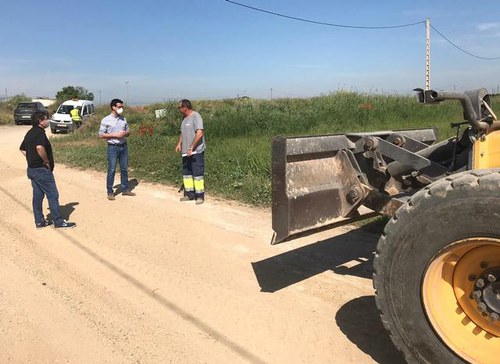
(100, 101)
(126, 86)
(428, 54)
(271, 93)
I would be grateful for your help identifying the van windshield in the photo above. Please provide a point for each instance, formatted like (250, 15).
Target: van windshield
(64, 109)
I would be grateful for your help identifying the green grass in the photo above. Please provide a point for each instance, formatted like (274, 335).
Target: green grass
(239, 133)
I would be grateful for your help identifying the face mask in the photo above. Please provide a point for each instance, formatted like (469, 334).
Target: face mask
(119, 111)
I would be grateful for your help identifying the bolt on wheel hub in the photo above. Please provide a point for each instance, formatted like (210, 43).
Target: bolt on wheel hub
(487, 294)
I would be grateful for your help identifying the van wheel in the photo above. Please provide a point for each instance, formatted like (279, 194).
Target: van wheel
(437, 271)
(52, 130)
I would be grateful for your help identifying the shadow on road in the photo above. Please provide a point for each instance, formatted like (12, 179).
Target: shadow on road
(350, 254)
(360, 322)
(66, 211)
(133, 183)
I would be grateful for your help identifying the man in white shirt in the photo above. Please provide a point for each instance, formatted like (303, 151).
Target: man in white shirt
(114, 129)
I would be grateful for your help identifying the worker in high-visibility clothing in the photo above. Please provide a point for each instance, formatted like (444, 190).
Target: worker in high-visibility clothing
(192, 146)
(75, 116)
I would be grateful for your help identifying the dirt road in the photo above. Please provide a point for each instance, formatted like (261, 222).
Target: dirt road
(148, 279)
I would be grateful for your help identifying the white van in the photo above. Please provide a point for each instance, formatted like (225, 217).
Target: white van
(61, 119)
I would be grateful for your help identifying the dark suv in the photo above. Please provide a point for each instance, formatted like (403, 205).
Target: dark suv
(24, 110)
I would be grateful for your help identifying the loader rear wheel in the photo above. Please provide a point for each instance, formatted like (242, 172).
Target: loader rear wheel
(437, 271)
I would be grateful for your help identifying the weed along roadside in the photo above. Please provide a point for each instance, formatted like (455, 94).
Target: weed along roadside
(238, 136)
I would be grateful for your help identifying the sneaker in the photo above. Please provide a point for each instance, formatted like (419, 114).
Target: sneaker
(65, 225)
(200, 200)
(111, 197)
(43, 224)
(128, 193)
(185, 198)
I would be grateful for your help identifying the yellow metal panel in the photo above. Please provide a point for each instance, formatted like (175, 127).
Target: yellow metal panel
(487, 152)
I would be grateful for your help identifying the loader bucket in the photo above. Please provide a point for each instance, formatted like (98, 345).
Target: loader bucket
(325, 181)
(311, 179)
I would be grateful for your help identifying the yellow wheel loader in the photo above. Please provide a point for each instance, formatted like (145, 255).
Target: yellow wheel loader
(437, 263)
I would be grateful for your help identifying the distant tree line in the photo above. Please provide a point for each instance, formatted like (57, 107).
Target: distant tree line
(74, 92)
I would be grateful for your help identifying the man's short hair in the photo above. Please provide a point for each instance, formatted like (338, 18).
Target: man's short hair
(186, 103)
(38, 116)
(114, 102)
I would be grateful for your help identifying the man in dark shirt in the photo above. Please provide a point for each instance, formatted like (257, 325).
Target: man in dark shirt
(38, 151)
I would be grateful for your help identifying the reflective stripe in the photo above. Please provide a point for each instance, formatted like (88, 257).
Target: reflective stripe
(199, 184)
(188, 183)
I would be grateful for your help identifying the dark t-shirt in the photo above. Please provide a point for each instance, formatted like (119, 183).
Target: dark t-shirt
(36, 136)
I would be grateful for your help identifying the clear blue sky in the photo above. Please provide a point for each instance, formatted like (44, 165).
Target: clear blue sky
(151, 51)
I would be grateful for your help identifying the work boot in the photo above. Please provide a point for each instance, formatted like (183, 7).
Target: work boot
(185, 198)
(200, 200)
(128, 193)
(111, 196)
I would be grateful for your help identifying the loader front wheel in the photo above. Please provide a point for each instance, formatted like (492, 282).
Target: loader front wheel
(437, 271)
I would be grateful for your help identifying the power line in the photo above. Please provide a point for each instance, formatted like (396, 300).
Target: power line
(461, 49)
(359, 27)
(324, 23)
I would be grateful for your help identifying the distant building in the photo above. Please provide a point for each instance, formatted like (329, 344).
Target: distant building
(45, 101)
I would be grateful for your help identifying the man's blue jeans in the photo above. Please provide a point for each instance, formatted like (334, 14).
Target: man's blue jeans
(44, 184)
(117, 153)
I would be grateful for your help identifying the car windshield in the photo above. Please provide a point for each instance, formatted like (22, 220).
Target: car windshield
(26, 106)
(64, 109)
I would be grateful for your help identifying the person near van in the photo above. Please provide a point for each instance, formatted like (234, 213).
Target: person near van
(114, 129)
(192, 147)
(62, 119)
(38, 152)
(75, 116)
